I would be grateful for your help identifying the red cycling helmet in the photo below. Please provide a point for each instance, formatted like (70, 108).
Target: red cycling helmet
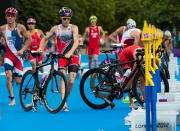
(12, 11)
(31, 20)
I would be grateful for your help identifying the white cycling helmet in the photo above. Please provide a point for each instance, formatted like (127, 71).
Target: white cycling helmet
(167, 33)
(131, 23)
(65, 12)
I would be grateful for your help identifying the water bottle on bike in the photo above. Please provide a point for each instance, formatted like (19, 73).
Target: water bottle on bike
(122, 79)
(118, 77)
(44, 77)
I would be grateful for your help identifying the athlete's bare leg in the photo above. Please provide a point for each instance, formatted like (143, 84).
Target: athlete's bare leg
(41, 69)
(90, 61)
(18, 79)
(71, 79)
(33, 63)
(62, 84)
(95, 60)
(10, 88)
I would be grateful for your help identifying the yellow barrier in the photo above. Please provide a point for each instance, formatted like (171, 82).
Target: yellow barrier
(154, 47)
(146, 39)
(150, 48)
(152, 38)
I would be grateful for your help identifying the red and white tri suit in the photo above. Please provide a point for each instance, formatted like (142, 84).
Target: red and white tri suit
(13, 45)
(64, 44)
(127, 38)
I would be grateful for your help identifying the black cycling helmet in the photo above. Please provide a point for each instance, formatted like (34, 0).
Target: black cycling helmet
(65, 12)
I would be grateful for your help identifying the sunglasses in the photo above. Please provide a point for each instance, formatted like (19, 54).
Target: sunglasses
(66, 18)
(10, 15)
(93, 21)
(31, 23)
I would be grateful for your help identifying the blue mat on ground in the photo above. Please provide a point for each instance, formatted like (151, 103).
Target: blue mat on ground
(80, 118)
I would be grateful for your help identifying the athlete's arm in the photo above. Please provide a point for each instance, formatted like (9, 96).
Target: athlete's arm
(27, 39)
(114, 35)
(2, 36)
(2, 41)
(137, 38)
(76, 41)
(102, 33)
(168, 46)
(45, 38)
(86, 32)
(41, 34)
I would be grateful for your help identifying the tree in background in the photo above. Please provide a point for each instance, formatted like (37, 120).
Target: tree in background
(44, 11)
(111, 13)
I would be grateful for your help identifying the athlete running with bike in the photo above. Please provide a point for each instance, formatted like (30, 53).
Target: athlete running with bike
(67, 42)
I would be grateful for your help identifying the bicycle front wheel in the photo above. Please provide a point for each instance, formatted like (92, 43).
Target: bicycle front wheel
(26, 90)
(95, 87)
(55, 92)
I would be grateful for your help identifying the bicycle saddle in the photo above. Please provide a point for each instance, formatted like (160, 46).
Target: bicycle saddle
(35, 53)
(120, 45)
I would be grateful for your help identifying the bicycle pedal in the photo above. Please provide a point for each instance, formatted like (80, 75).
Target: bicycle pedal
(35, 106)
(112, 105)
(126, 89)
(131, 93)
(34, 109)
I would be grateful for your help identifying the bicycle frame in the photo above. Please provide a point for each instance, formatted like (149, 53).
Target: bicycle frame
(46, 63)
(36, 73)
(38, 90)
(133, 72)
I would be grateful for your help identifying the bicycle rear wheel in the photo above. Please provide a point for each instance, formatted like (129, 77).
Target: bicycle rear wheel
(26, 90)
(138, 87)
(54, 96)
(95, 87)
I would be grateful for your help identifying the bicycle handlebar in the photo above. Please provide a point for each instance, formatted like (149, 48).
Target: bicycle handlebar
(107, 51)
(55, 55)
(34, 53)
